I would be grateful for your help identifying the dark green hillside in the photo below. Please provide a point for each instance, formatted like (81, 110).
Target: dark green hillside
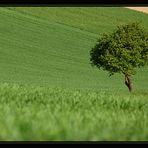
(50, 46)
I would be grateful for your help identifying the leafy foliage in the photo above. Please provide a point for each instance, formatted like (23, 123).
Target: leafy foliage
(123, 50)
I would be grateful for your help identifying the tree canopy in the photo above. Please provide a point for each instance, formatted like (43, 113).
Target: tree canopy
(122, 51)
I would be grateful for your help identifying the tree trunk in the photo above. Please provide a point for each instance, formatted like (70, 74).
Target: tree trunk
(128, 83)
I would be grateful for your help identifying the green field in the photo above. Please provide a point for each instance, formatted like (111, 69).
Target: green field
(49, 91)
(45, 113)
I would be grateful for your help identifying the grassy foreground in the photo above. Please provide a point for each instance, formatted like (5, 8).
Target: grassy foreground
(43, 113)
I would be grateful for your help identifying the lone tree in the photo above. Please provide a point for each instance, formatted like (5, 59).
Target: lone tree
(122, 51)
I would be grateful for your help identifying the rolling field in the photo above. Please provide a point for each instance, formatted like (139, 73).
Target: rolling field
(50, 46)
(48, 89)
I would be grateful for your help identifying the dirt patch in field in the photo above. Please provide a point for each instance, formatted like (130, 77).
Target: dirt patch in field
(142, 9)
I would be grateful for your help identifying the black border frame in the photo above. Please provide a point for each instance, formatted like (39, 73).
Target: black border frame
(73, 3)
